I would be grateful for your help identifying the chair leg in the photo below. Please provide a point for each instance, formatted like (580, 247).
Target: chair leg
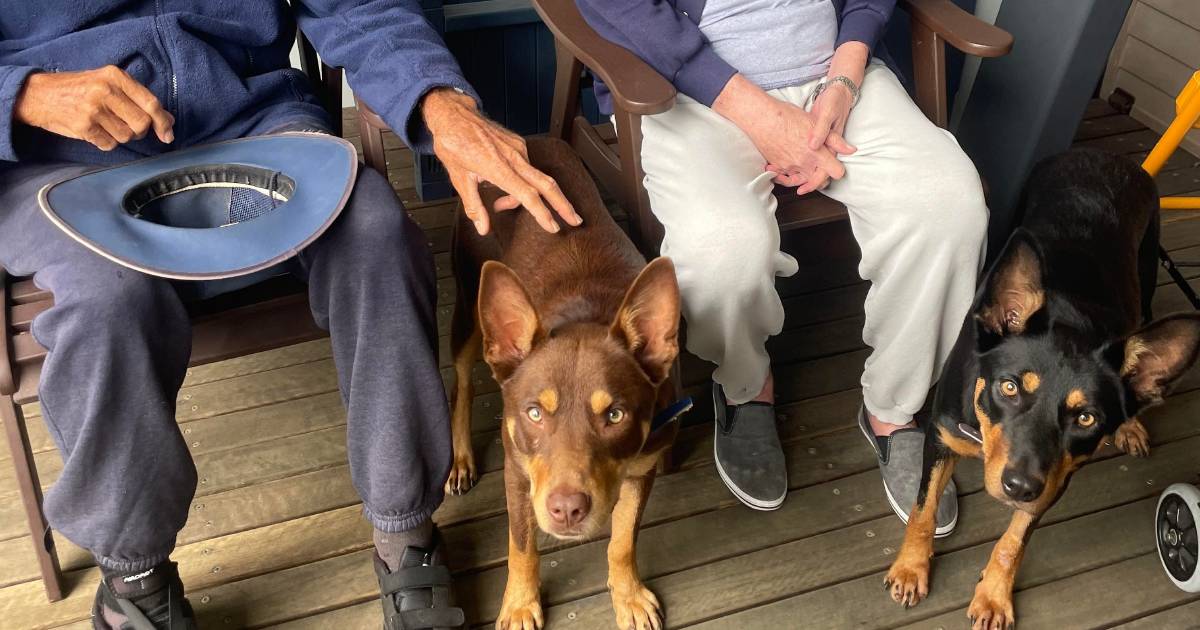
(371, 132)
(647, 231)
(31, 497)
(565, 105)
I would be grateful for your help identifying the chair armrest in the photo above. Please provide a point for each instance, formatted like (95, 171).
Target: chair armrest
(369, 117)
(635, 86)
(960, 29)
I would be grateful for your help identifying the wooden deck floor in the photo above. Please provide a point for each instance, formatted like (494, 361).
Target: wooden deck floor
(276, 535)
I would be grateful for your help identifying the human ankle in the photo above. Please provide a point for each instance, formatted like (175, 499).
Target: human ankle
(884, 429)
(391, 545)
(148, 590)
(766, 394)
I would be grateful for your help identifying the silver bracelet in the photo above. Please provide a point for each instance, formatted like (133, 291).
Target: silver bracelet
(844, 80)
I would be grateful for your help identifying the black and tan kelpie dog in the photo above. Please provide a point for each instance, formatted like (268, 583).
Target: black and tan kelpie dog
(1055, 358)
(581, 334)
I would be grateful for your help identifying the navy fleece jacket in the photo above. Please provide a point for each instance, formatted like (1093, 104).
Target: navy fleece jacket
(221, 66)
(666, 35)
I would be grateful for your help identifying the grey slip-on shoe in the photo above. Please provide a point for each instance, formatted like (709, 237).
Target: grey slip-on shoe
(747, 451)
(900, 466)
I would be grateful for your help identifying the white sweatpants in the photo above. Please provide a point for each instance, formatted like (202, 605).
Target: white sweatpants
(916, 209)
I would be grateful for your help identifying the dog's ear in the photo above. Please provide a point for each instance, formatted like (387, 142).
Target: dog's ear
(1152, 359)
(648, 320)
(1013, 292)
(507, 317)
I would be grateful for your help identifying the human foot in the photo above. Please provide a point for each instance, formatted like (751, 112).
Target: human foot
(748, 454)
(900, 452)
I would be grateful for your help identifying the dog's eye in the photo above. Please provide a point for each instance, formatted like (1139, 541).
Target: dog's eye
(534, 414)
(1008, 387)
(1085, 419)
(615, 416)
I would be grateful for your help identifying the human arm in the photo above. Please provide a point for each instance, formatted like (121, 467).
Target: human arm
(397, 63)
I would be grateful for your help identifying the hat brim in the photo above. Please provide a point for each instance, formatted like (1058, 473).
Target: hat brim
(92, 208)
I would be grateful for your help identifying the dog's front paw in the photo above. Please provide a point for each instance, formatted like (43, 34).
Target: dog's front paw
(523, 615)
(462, 473)
(1132, 437)
(637, 608)
(908, 581)
(991, 608)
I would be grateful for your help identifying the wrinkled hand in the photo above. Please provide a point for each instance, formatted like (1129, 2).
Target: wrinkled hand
(780, 131)
(830, 112)
(475, 150)
(792, 159)
(105, 107)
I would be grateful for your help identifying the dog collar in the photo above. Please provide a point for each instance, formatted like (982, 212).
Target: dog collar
(209, 212)
(671, 413)
(971, 432)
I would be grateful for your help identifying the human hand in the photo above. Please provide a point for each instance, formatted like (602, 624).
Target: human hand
(105, 107)
(780, 131)
(832, 107)
(829, 114)
(830, 111)
(475, 150)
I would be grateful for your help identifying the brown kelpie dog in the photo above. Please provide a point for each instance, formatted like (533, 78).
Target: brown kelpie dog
(581, 334)
(1054, 359)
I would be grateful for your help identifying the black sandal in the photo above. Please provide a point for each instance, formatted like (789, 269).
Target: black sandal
(159, 592)
(417, 596)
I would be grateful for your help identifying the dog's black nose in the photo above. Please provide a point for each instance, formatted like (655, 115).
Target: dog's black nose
(1021, 487)
(568, 508)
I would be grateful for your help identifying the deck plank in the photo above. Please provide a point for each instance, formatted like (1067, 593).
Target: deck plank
(1182, 616)
(1115, 593)
(1051, 556)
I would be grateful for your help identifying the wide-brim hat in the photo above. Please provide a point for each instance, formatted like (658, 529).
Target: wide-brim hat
(209, 212)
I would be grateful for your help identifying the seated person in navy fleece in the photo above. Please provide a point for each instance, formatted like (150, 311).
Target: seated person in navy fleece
(788, 92)
(86, 84)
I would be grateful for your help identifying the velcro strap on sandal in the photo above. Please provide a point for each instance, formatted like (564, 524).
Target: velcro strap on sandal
(414, 577)
(428, 618)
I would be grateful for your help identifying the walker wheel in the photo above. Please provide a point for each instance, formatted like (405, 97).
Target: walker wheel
(1177, 516)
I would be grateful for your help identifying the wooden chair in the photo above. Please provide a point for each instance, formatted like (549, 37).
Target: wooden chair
(266, 316)
(637, 90)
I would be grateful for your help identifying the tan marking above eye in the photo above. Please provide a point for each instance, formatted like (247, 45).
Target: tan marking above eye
(1076, 399)
(1030, 381)
(1085, 419)
(1008, 387)
(549, 400)
(600, 401)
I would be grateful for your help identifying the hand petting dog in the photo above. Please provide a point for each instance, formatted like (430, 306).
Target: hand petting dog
(476, 150)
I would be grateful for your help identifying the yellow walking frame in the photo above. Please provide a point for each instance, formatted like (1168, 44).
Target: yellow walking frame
(1187, 117)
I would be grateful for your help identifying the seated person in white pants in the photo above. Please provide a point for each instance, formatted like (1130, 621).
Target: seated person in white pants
(786, 91)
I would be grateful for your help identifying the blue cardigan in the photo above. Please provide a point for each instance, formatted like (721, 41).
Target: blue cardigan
(221, 66)
(666, 35)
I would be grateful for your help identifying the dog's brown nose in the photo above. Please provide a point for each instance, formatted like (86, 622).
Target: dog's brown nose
(1021, 487)
(568, 508)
